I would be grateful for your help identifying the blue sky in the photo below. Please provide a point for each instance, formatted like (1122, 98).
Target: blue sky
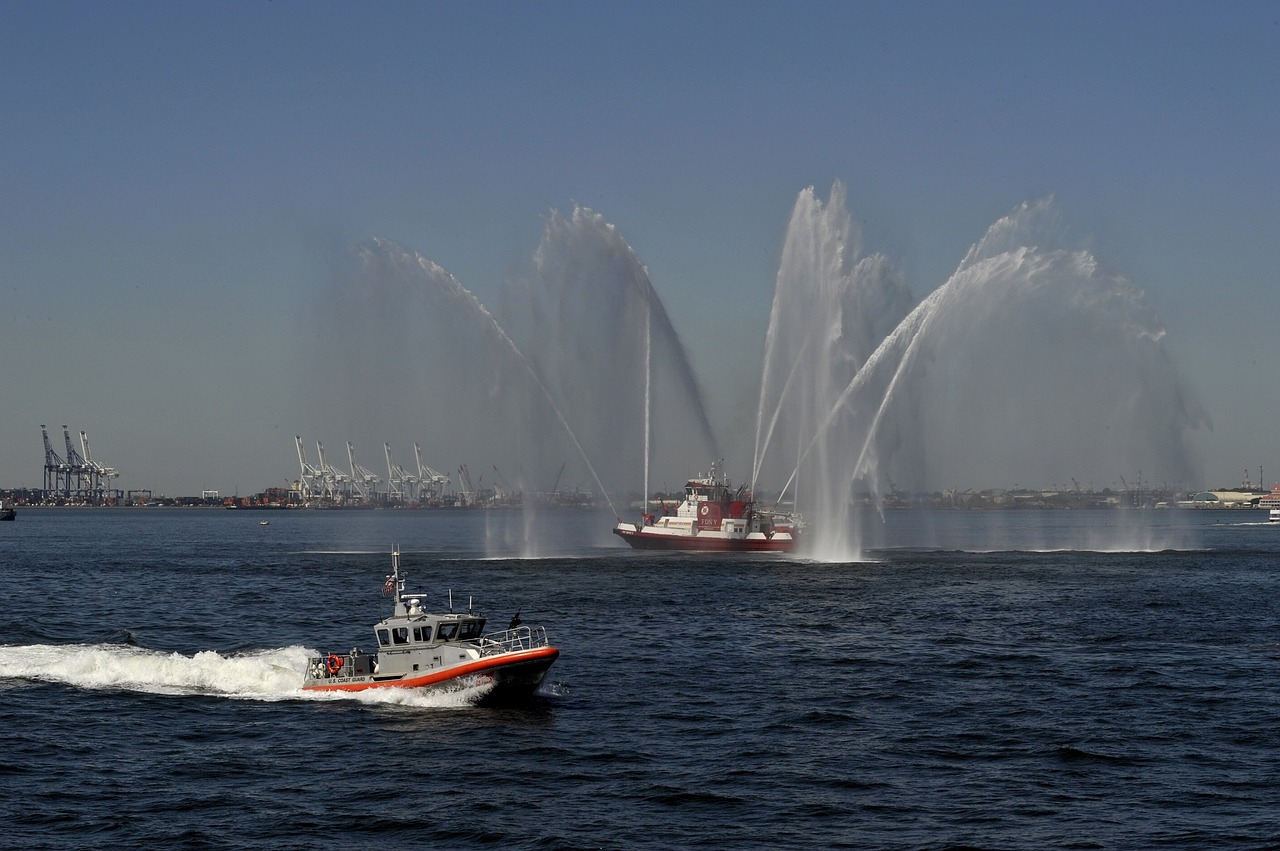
(178, 177)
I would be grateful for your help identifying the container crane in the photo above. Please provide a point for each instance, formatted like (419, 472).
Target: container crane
(469, 492)
(75, 465)
(362, 480)
(510, 492)
(431, 482)
(309, 477)
(56, 478)
(401, 484)
(100, 475)
(333, 482)
(306, 472)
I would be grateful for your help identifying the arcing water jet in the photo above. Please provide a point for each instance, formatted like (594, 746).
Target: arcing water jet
(1028, 362)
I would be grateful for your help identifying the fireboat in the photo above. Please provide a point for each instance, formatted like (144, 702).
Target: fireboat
(419, 649)
(713, 517)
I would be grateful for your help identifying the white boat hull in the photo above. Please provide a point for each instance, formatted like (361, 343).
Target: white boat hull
(658, 538)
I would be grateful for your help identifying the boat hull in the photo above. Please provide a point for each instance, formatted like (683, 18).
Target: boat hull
(641, 540)
(512, 675)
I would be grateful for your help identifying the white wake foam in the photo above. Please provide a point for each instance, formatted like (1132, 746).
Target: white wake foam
(266, 675)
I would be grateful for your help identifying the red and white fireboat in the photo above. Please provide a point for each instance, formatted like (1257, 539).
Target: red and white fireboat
(713, 517)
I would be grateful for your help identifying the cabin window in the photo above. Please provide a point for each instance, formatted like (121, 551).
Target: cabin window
(471, 629)
(422, 633)
(400, 634)
(384, 637)
(447, 631)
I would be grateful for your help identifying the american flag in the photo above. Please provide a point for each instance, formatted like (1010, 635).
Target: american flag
(389, 586)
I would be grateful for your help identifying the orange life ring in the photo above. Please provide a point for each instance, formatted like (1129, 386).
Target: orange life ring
(334, 664)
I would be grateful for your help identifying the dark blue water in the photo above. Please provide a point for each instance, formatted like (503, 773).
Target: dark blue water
(992, 680)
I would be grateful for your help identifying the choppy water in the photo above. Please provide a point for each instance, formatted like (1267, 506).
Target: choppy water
(993, 680)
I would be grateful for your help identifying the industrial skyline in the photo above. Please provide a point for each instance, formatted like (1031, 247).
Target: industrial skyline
(76, 477)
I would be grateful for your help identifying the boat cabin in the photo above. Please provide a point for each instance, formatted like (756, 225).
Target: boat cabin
(697, 490)
(414, 627)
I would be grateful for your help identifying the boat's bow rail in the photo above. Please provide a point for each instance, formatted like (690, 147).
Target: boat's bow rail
(513, 640)
(353, 664)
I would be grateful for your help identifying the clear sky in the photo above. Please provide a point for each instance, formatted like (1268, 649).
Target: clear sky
(176, 179)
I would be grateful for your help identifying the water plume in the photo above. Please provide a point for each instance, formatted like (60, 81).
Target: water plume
(588, 315)
(518, 380)
(831, 309)
(1029, 362)
(580, 376)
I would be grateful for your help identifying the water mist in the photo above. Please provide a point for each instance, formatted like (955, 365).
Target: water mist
(1029, 363)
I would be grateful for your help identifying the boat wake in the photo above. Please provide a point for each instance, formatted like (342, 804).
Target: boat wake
(265, 675)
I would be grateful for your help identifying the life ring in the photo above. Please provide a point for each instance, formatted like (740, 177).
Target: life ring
(334, 664)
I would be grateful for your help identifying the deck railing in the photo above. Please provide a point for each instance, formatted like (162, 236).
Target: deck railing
(339, 665)
(491, 644)
(510, 640)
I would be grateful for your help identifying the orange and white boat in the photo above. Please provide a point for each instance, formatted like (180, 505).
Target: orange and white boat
(713, 517)
(420, 649)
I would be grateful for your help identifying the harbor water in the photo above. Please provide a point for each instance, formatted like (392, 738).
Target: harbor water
(1001, 679)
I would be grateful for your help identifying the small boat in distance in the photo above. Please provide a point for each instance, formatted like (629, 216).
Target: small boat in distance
(420, 649)
(713, 517)
(7, 511)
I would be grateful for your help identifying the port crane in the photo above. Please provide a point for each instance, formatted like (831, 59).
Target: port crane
(327, 483)
(100, 475)
(309, 478)
(362, 481)
(402, 485)
(56, 471)
(511, 492)
(76, 476)
(432, 483)
(469, 495)
(334, 482)
(75, 465)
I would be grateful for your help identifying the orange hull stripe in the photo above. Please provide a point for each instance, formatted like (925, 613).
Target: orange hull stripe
(476, 667)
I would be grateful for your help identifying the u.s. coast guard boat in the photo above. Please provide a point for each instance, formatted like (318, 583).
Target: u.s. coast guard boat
(420, 649)
(713, 517)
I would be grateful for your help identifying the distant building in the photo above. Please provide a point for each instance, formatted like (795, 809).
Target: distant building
(1224, 499)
